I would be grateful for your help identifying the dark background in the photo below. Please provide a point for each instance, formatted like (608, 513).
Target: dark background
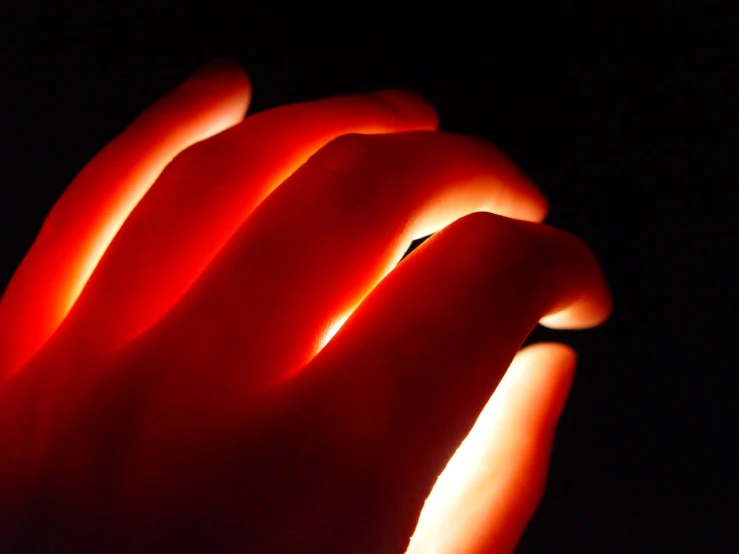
(625, 117)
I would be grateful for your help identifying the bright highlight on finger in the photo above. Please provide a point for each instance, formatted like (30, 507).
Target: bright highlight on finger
(313, 250)
(88, 215)
(204, 195)
(491, 487)
(220, 108)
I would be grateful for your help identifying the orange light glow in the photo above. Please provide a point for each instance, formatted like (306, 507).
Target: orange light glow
(479, 484)
(87, 217)
(332, 329)
(176, 300)
(130, 193)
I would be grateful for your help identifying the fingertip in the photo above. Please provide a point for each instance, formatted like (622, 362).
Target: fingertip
(592, 309)
(562, 353)
(521, 198)
(219, 68)
(536, 207)
(554, 364)
(544, 371)
(588, 302)
(221, 75)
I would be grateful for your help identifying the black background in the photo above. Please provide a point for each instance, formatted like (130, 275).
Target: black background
(626, 117)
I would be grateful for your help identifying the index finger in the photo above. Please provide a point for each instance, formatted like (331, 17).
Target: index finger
(89, 213)
(201, 199)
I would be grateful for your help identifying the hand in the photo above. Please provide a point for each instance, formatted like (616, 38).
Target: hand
(169, 377)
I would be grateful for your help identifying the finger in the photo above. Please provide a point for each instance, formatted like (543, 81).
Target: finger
(489, 490)
(411, 369)
(92, 209)
(315, 248)
(203, 196)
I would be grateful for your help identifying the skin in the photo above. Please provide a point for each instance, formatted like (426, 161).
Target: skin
(172, 378)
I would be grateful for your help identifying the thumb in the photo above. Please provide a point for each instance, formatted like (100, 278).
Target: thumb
(493, 484)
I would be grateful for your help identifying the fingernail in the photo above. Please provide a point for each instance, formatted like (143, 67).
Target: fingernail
(410, 104)
(215, 72)
(217, 66)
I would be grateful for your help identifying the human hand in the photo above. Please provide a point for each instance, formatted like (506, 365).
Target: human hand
(168, 380)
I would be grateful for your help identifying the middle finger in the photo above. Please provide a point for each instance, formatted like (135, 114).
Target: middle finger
(314, 249)
(203, 196)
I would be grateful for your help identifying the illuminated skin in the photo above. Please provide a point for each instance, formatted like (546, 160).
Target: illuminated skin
(169, 375)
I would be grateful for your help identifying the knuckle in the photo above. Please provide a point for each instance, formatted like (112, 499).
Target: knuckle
(487, 240)
(340, 173)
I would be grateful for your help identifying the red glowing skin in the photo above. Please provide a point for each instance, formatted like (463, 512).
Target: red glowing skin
(187, 394)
